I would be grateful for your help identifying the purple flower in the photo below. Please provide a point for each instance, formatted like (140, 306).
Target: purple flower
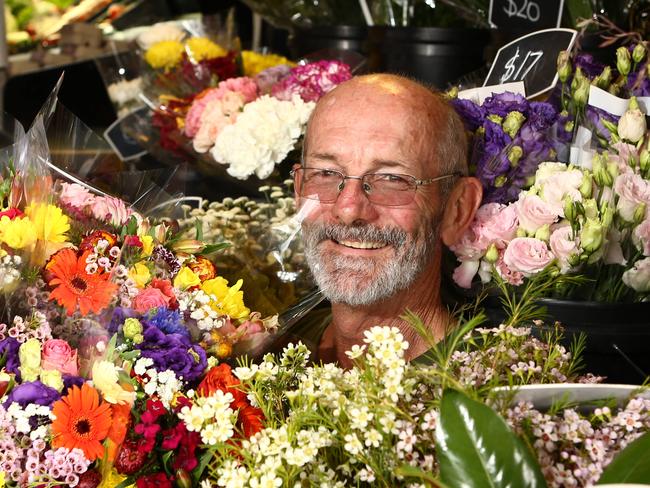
(472, 114)
(9, 356)
(593, 117)
(270, 76)
(119, 315)
(589, 66)
(174, 352)
(638, 83)
(32, 392)
(504, 103)
(541, 115)
(69, 381)
(168, 321)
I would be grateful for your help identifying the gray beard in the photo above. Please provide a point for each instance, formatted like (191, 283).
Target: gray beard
(358, 281)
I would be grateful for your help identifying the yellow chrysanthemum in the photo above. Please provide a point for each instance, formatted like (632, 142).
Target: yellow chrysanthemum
(140, 274)
(164, 54)
(186, 278)
(255, 63)
(17, 233)
(229, 300)
(50, 223)
(200, 48)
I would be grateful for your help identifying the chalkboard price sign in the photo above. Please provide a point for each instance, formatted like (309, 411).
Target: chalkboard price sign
(125, 147)
(523, 16)
(531, 59)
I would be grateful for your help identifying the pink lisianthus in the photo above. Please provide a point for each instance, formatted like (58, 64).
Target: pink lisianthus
(58, 355)
(638, 277)
(632, 191)
(76, 195)
(564, 245)
(641, 237)
(312, 80)
(533, 212)
(511, 276)
(527, 255)
(150, 298)
(560, 185)
(465, 272)
(111, 209)
(216, 115)
(625, 152)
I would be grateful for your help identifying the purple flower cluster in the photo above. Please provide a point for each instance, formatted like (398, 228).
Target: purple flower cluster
(168, 321)
(174, 352)
(32, 392)
(504, 159)
(312, 80)
(9, 356)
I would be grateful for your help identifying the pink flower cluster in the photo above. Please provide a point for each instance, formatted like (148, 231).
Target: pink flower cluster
(312, 80)
(22, 330)
(109, 209)
(245, 87)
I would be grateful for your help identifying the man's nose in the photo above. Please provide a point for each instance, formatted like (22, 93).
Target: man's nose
(352, 204)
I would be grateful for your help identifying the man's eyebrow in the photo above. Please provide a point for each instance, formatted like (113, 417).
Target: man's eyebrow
(323, 156)
(392, 163)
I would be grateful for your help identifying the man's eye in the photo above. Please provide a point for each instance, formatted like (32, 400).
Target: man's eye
(390, 178)
(325, 174)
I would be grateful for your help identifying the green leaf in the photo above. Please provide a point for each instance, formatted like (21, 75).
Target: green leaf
(475, 447)
(203, 462)
(198, 225)
(631, 464)
(408, 471)
(212, 248)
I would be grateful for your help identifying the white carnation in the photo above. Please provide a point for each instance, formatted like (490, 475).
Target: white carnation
(163, 31)
(263, 135)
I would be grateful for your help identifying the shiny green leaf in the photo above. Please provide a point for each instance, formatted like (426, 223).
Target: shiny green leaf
(476, 448)
(631, 465)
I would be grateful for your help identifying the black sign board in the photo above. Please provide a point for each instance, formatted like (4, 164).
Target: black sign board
(126, 147)
(522, 16)
(531, 59)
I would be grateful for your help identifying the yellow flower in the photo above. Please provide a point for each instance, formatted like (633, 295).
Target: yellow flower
(200, 48)
(186, 278)
(17, 233)
(147, 245)
(255, 63)
(50, 223)
(164, 54)
(229, 300)
(140, 274)
(2, 479)
(105, 379)
(30, 359)
(52, 378)
(111, 479)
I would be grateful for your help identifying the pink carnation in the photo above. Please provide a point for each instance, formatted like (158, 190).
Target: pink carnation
(111, 209)
(75, 195)
(312, 80)
(217, 115)
(527, 255)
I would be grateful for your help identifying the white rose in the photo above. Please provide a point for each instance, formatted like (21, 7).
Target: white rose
(632, 126)
(638, 277)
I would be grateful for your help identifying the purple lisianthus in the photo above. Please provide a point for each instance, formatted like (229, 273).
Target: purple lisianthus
(472, 114)
(541, 115)
(69, 381)
(638, 83)
(120, 314)
(594, 120)
(589, 66)
(504, 103)
(9, 354)
(32, 392)
(174, 352)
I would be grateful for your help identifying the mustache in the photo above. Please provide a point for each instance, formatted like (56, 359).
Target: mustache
(317, 233)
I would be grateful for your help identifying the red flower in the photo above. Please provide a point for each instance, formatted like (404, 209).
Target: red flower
(166, 287)
(89, 242)
(12, 213)
(148, 428)
(158, 480)
(250, 420)
(133, 241)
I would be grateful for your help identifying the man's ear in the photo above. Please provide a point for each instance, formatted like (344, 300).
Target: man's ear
(463, 201)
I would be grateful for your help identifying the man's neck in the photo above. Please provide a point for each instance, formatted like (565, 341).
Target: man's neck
(349, 323)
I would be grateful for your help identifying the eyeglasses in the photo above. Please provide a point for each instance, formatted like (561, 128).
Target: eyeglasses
(387, 189)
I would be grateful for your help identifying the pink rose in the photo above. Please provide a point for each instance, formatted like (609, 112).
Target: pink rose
(632, 190)
(111, 209)
(76, 195)
(58, 355)
(533, 212)
(641, 237)
(150, 298)
(564, 245)
(527, 255)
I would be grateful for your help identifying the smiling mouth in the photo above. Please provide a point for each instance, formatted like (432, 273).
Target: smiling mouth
(361, 244)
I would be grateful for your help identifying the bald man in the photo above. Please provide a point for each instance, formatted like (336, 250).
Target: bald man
(383, 173)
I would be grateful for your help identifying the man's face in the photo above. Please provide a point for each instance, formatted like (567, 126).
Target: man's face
(360, 252)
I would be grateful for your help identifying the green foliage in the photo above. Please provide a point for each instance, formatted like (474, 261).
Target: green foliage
(475, 447)
(632, 465)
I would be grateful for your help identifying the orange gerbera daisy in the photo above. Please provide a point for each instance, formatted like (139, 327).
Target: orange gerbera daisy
(82, 421)
(93, 292)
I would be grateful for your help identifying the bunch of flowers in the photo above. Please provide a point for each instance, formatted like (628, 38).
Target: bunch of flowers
(254, 63)
(578, 221)
(510, 137)
(376, 423)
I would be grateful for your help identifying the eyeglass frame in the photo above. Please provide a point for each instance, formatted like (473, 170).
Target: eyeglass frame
(418, 182)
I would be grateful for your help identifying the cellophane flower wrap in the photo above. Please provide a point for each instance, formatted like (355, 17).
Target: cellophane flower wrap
(110, 320)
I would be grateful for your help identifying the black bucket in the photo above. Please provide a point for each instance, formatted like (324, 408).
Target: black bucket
(303, 42)
(432, 55)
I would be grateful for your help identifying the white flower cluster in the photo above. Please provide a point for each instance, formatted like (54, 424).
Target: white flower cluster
(164, 384)
(22, 416)
(125, 94)
(198, 303)
(9, 273)
(386, 352)
(212, 417)
(263, 135)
